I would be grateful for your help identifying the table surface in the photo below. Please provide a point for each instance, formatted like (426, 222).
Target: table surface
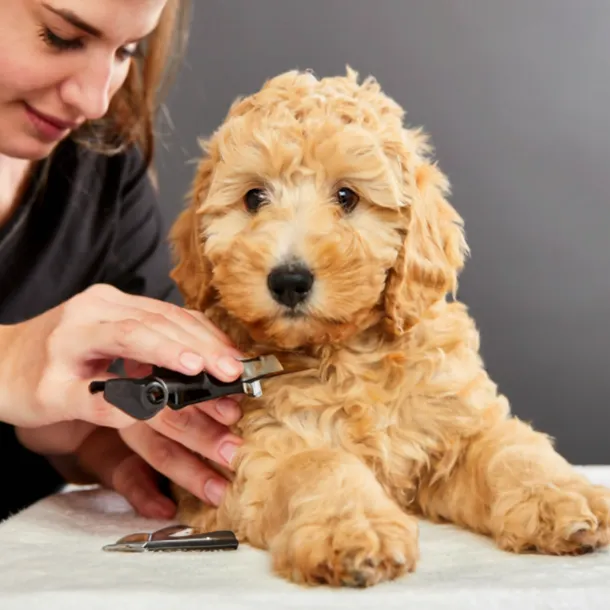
(51, 554)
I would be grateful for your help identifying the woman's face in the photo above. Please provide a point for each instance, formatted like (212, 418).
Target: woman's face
(61, 61)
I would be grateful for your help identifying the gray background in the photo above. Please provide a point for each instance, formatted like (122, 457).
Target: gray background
(516, 96)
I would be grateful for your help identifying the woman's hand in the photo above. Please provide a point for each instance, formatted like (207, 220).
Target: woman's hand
(101, 458)
(47, 363)
(114, 465)
(171, 444)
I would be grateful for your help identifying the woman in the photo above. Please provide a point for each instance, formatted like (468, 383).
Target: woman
(83, 260)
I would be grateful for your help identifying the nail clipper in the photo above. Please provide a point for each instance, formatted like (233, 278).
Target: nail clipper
(142, 398)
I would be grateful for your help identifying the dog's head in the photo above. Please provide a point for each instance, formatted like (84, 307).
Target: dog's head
(315, 213)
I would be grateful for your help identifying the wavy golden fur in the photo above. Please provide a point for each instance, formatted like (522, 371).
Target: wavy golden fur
(388, 413)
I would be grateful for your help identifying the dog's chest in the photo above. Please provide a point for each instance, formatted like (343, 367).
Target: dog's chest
(366, 409)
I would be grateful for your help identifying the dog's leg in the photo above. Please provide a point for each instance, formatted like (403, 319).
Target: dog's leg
(321, 513)
(329, 521)
(510, 483)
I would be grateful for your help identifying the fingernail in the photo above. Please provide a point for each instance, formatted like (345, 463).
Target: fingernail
(191, 361)
(229, 366)
(227, 451)
(227, 408)
(214, 491)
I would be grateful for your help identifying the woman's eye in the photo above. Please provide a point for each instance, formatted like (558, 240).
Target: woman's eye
(128, 52)
(57, 42)
(66, 44)
(254, 199)
(347, 199)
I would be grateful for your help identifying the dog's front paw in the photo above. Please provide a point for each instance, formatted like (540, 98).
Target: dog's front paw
(568, 519)
(354, 551)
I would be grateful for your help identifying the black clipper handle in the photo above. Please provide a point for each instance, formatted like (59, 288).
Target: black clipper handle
(143, 398)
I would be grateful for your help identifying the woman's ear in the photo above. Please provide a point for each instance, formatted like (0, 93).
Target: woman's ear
(434, 247)
(192, 271)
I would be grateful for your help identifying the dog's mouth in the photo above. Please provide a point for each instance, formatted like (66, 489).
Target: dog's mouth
(298, 313)
(292, 287)
(294, 314)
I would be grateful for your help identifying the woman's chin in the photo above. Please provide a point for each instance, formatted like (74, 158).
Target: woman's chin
(27, 149)
(19, 144)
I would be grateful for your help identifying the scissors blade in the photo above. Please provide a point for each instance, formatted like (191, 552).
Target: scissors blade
(131, 543)
(126, 547)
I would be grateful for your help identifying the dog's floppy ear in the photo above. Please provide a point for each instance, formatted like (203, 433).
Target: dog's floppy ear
(192, 271)
(434, 247)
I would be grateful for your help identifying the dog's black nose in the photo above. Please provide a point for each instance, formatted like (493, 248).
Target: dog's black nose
(290, 284)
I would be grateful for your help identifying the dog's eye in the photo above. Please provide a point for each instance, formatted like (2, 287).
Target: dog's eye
(254, 199)
(347, 199)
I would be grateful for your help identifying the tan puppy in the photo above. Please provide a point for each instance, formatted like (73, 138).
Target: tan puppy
(319, 230)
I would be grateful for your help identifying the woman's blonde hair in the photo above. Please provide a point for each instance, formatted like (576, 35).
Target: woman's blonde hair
(132, 113)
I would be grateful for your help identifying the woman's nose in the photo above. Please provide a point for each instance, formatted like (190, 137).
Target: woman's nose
(88, 91)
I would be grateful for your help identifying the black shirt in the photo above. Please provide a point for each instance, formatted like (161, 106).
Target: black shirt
(94, 219)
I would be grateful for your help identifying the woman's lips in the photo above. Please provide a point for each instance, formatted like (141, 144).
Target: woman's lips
(48, 127)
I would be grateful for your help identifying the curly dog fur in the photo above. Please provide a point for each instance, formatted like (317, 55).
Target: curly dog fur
(387, 414)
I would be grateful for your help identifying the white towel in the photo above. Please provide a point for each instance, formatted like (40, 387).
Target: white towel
(51, 555)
